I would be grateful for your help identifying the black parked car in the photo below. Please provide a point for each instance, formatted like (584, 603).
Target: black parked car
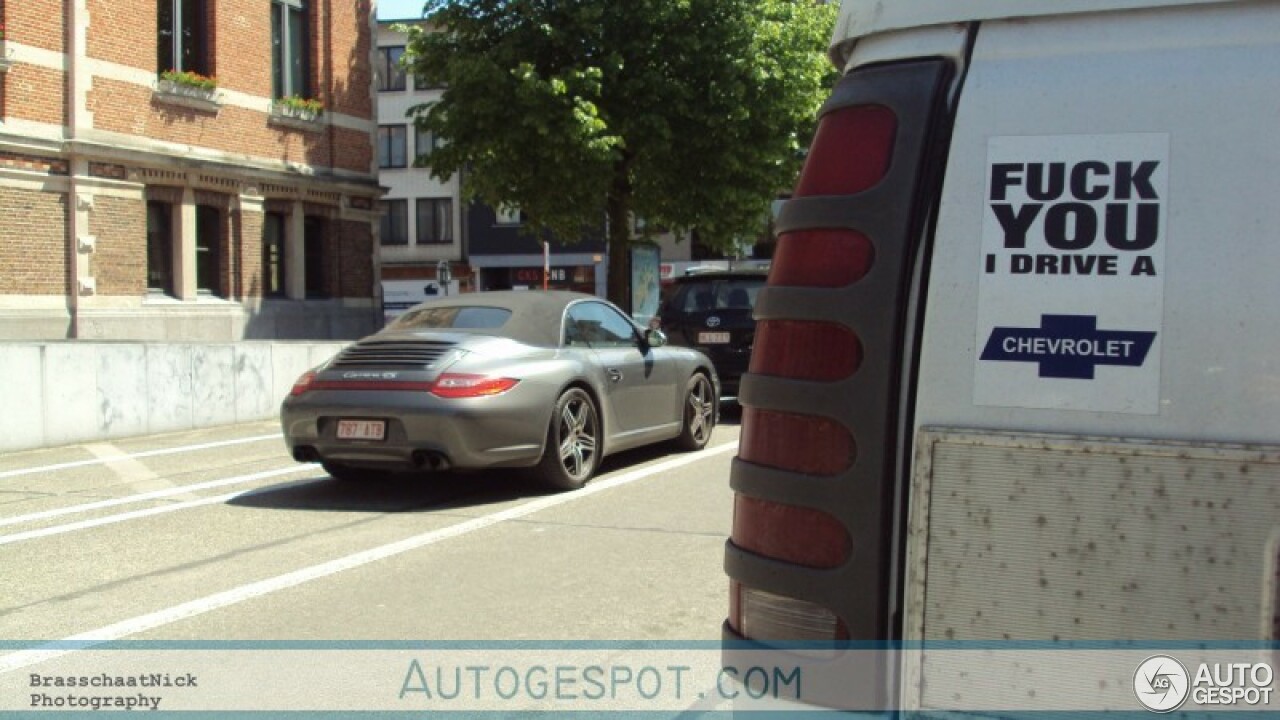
(712, 311)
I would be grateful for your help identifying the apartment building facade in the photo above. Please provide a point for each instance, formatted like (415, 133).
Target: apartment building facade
(428, 227)
(187, 169)
(428, 224)
(422, 229)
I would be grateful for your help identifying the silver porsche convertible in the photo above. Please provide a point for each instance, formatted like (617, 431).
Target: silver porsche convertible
(553, 381)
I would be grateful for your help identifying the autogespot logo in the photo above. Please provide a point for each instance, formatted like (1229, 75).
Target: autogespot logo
(1161, 683)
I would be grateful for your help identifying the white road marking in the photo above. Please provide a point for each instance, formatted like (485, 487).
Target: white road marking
(142, 497)
(199, 606)
(128, 469)
(132, 456)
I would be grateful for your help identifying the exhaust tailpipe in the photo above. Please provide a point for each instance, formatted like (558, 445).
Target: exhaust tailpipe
(430, 460)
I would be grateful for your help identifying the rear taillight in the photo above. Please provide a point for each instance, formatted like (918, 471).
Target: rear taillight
(821, 258)
(850, 152)
(303, 383)
(313, 384)
(798, 443)
(446, 386)
(814, 554)
(784, 532)
(806, 350)
(462, 385)
(768, 617)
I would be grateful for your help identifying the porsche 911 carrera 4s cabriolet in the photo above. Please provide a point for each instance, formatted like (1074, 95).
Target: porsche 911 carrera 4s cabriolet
(553, 381)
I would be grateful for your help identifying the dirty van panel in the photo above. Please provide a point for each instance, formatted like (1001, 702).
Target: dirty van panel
(1060, 538)
(1183, 530)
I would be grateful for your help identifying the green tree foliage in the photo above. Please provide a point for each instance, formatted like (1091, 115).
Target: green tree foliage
(688, 113)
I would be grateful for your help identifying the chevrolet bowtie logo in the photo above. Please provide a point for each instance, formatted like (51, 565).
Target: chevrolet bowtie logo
(1068, 346)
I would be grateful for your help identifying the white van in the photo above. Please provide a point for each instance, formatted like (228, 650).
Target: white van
(1015, 388)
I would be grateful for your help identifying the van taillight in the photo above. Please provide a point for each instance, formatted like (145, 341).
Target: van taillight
(784, 532)
(850, 152)
(821, 258)
(799, 443)
(814, 553)
(806, 350)
(766, 616)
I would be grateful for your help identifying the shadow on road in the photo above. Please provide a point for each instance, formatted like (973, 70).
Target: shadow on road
(396, 494)
(730, 412)
(433, 492)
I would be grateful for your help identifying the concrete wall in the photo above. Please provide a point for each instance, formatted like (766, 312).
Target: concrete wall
(59, 393)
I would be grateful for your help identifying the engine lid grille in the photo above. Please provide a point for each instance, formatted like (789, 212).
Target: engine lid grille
(393, 354)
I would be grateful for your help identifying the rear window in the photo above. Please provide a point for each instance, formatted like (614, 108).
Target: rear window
(459, 318)
(717, 294)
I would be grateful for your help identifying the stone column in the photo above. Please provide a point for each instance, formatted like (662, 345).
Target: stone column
(296, 254)
(184, 249)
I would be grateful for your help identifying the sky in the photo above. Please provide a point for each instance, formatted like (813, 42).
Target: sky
(399, 9)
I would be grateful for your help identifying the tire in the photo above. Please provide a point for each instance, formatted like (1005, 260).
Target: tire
(572, 453)
(700, 406)
(344, 473)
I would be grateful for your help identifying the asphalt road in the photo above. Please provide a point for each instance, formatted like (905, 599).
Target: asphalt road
(219, 536)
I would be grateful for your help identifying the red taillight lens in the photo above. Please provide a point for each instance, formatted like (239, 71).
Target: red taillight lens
(462, 385)
(303, 383)
(799, 443)
(850, 152)
(803, 536)
(821, 258)
(805, 350)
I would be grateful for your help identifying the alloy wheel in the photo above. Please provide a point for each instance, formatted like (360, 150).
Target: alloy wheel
(578, 436)
(701, 410)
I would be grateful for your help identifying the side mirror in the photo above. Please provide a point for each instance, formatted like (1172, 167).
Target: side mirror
(654, 337)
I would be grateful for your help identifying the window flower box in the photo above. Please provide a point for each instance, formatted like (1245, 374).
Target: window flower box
(297, 112)
(188, 90)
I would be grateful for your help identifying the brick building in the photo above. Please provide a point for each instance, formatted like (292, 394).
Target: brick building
(139, 204)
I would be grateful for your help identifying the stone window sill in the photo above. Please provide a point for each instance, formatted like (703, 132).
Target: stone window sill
(297, 119)
(6, 57)
(186, 96)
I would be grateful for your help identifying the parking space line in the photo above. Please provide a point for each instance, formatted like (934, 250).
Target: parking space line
(226, 598)
(130, 470)
(134, 456)
(129, 499)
